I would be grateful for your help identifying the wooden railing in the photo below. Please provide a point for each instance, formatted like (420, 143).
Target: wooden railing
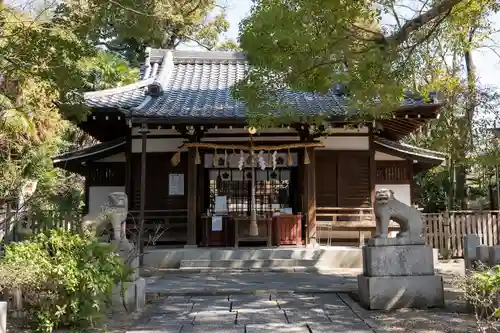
(160, 226)
(445, 231)
(330, 220)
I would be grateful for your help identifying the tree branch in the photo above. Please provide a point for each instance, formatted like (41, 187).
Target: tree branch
(428, 34)
(415, 24)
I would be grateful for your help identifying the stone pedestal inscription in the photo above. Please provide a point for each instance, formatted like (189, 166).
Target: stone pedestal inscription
(398, 272)
(401, 260)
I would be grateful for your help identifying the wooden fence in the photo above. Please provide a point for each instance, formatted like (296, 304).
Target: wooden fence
(445, 231)
(18, 223)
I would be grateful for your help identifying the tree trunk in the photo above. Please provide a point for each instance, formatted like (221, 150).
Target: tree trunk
(466, 121)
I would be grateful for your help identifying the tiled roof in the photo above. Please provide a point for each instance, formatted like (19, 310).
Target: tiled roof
(198, 85)
(411, 150)
(88, 152)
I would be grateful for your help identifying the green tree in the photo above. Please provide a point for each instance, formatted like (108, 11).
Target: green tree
(127, 27)
(43, 60)
(309, 45)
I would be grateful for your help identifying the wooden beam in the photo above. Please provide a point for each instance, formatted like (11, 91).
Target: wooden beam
(192, 175)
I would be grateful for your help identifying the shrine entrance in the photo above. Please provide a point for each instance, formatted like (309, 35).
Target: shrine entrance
(273, 190)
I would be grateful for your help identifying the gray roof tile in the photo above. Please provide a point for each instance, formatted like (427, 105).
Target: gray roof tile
(411, 150)
(198, 85)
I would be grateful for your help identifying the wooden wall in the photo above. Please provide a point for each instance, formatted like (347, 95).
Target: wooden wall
(106, 174)
(394, 172)
(158, 168)
(343, 178)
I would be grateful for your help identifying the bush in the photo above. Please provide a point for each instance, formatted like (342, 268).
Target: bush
(482, 292)
(66, 279)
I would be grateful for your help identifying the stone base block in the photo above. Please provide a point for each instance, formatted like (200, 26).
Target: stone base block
(483, 254)
(494, 258)
(396, 292)
(134, 297)
(3, 317)
(397, 260)
(435, 256)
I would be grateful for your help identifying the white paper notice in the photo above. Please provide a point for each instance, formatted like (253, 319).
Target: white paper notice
(176, 184)
(216, 223)
(221, 204)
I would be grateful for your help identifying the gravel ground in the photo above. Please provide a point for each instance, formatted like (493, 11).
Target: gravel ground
(118, 321)
(452, 318)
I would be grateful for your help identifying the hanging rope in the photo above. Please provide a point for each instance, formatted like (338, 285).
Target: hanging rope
(214, 146)
(203, 145)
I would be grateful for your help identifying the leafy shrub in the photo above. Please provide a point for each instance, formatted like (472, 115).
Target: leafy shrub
(66, 279)
(481, 289)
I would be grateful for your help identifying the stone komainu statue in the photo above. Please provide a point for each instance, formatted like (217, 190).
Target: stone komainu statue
(114, 212)
(388, 208)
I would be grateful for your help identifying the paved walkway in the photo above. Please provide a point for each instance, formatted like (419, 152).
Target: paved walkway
(277, 302)
(264, 313)
(223, 282)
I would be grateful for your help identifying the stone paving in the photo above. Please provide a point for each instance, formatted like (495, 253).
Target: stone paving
(277, 313)
(179, 283)
(278, 302)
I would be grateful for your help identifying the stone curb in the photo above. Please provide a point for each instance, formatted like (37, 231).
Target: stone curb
(152, 295)
(195, 270)
(362, 313)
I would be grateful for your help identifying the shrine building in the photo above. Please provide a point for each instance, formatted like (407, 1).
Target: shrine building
(178, 145)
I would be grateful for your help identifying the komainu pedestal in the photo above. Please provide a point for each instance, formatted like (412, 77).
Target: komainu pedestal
(398, 272)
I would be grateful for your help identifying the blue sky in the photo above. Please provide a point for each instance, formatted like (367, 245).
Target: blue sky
(487, 62)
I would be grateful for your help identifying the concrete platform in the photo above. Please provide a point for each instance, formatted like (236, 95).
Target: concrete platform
(323, 257)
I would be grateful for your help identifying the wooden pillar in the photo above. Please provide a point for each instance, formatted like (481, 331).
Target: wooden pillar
(202, 191)
(310, 197)
(87, 188)
(144, 133)
(411, 182)
(128, 168)
(192, 181)
(373, 167)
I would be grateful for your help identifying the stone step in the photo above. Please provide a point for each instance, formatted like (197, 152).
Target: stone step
(248, 264)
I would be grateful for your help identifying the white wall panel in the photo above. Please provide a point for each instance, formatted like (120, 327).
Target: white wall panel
(379, 156)
(402, 192)
(157, 145)
(98, 196)
(120, 157)
(345, 143)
